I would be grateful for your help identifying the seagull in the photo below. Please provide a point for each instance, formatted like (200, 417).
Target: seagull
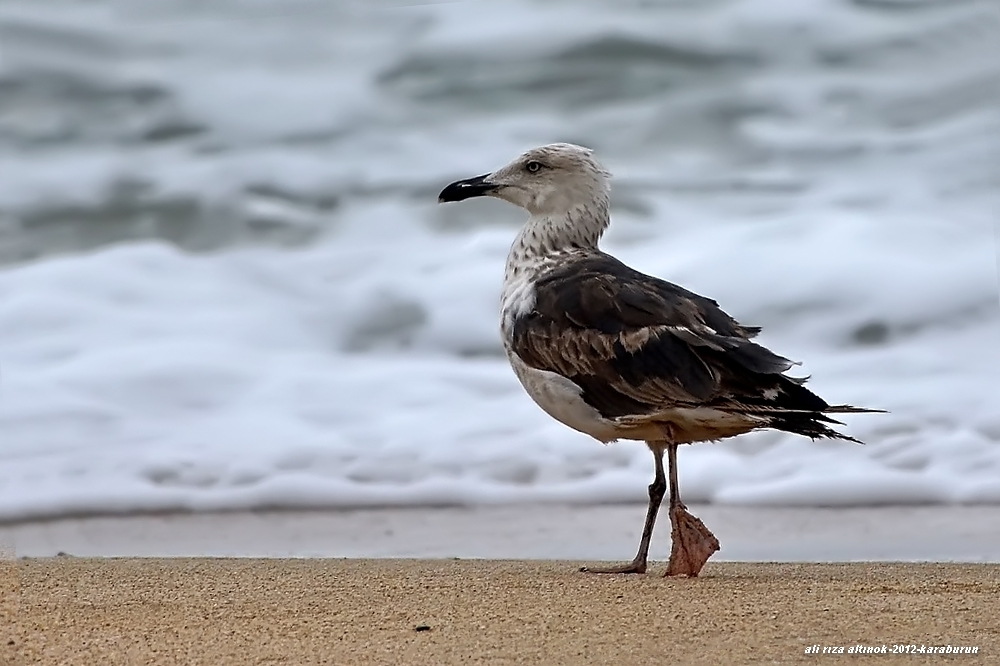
(617, 354)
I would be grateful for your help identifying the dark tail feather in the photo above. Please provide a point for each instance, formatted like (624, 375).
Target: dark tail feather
(851, 409)
(809, 425)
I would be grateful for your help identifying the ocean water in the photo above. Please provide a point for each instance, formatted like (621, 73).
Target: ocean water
(225, 281)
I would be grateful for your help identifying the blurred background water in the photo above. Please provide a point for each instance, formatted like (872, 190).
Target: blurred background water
(225, 282)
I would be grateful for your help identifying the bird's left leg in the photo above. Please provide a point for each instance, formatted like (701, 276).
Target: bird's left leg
(656, 490)
(693, 543)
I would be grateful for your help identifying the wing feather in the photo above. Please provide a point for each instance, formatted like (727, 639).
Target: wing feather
(637, 345)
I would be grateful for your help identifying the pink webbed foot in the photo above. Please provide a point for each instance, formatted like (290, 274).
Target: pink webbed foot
(693, 543)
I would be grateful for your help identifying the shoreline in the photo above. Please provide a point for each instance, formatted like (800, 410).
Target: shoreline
(544, 532)
(311, 611)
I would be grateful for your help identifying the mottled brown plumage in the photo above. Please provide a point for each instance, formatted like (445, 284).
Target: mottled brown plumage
(642, 348)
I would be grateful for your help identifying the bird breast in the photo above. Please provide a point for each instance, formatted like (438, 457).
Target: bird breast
(517, 297)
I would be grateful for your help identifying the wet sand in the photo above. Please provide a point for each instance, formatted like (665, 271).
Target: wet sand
(68, 610)
(525, 532)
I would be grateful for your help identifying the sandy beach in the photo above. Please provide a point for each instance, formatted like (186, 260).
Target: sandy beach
(351, 611)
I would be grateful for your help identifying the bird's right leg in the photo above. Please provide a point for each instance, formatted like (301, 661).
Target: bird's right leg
(656, 491)
(693, 543)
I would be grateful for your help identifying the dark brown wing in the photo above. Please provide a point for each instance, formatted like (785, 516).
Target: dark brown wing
(638, 345)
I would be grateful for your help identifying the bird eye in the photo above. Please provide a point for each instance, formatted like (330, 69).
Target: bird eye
(533, 166)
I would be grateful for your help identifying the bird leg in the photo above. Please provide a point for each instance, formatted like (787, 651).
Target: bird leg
(656, 491)
(693, 543)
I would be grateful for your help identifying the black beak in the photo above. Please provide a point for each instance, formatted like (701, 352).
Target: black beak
(461, 190)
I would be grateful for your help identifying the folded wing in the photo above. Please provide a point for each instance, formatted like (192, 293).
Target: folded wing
(640, 346)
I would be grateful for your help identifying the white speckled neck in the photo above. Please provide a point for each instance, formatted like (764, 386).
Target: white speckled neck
(542, 236)
(541, 244)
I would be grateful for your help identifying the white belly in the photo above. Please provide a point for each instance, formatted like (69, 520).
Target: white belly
(561, 399)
